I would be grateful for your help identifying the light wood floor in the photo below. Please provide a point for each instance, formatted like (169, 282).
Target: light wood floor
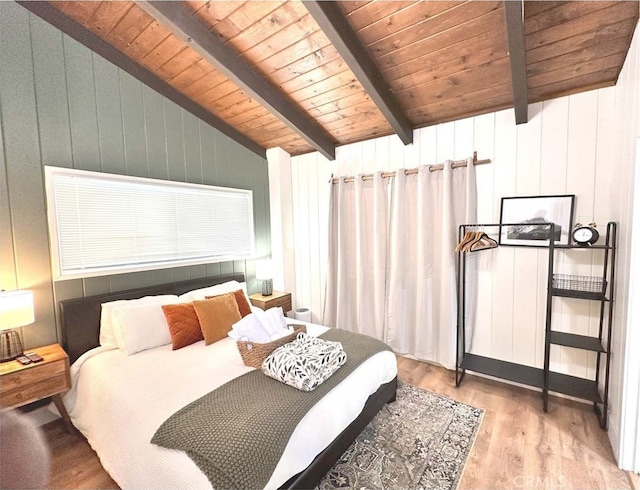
(518, 446)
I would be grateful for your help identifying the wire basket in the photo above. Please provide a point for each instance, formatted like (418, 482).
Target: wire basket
(589, 284)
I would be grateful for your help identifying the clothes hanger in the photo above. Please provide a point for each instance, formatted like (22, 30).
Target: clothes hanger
(475, 240)
(477, 236)
(468, 236)
(483, 243)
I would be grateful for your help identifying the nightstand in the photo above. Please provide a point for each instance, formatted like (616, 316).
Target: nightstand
(278, 298)
(22, 384)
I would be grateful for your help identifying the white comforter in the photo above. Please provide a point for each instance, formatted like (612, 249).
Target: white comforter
(119, 401)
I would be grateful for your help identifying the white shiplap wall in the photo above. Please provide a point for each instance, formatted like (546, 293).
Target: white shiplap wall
(567, 147)
(624, 429)
(583, 144)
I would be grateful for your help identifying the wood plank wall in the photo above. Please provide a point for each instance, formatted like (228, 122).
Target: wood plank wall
(63, 105)
(566, 148)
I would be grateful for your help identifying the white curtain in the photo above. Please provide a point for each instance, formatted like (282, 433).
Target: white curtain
(392, 274)
(356, 279)
(427, 209)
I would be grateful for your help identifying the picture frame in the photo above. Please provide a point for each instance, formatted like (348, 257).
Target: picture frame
(528, 211)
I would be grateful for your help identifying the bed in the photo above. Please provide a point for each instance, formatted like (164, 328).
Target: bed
(118, 401)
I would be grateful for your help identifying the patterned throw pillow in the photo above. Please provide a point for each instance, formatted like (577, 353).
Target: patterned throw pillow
(184, 325)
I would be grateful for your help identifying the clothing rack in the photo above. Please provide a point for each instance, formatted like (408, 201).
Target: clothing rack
(409, 171)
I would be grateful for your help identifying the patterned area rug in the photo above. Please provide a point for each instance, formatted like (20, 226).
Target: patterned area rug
(422, 440)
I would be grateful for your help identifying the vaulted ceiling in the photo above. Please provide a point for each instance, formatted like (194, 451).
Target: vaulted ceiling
(311, 75)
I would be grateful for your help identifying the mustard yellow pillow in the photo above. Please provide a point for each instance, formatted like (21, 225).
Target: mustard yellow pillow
(184, 325)
(216, 316)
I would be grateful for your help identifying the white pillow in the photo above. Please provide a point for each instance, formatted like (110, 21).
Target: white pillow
(225, 287)
(140, 327)
(107, 337)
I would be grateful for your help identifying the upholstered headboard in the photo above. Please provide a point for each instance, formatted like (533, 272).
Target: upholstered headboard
(81, 317)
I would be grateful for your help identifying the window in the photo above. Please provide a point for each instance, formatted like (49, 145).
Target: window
(106, 224)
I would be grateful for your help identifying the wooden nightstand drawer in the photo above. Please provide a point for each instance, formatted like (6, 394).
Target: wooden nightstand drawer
(284, 302)
(36, 390)
(35, 374)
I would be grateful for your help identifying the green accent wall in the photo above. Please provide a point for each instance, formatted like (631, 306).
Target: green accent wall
(65, 106)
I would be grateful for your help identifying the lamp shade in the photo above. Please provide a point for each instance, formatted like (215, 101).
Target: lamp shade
(264, 270)
(16, 309)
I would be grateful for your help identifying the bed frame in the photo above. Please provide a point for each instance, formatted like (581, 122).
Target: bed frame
(81, 329)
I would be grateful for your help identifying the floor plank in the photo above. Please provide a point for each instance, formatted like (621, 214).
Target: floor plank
(518, 445)
(634, 479)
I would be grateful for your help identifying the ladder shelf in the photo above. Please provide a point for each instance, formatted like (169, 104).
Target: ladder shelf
(596, 288)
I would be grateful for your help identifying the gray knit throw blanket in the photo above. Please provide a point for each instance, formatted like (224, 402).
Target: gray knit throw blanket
(237, 433)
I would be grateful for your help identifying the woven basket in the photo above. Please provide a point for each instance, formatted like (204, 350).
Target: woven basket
(253, 354)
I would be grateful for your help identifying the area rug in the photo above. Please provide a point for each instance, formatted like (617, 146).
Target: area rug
(420, 441)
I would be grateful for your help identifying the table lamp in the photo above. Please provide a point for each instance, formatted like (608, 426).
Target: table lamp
(16, 310)
(264, 273)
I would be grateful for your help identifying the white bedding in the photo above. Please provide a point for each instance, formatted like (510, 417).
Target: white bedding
(119, 401)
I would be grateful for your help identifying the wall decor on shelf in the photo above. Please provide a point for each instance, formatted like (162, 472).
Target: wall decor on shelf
(531, 212)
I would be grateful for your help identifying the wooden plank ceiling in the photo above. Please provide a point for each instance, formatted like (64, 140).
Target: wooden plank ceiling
(432, 61)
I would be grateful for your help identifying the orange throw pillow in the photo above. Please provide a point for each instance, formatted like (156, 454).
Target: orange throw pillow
(216, 316)
(184, 325)
(243, 305)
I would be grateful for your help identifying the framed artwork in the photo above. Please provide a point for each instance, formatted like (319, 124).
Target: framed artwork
(530, 212)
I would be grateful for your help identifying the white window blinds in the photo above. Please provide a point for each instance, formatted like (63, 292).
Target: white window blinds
(105, 224)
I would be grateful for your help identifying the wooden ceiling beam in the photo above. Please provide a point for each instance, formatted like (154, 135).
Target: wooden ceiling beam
(183, 24)
(71, 28)
(514, 19)
(335, 26)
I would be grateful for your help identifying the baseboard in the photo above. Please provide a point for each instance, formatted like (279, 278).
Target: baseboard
(500, 380)
(614, 439)
(552, 394)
